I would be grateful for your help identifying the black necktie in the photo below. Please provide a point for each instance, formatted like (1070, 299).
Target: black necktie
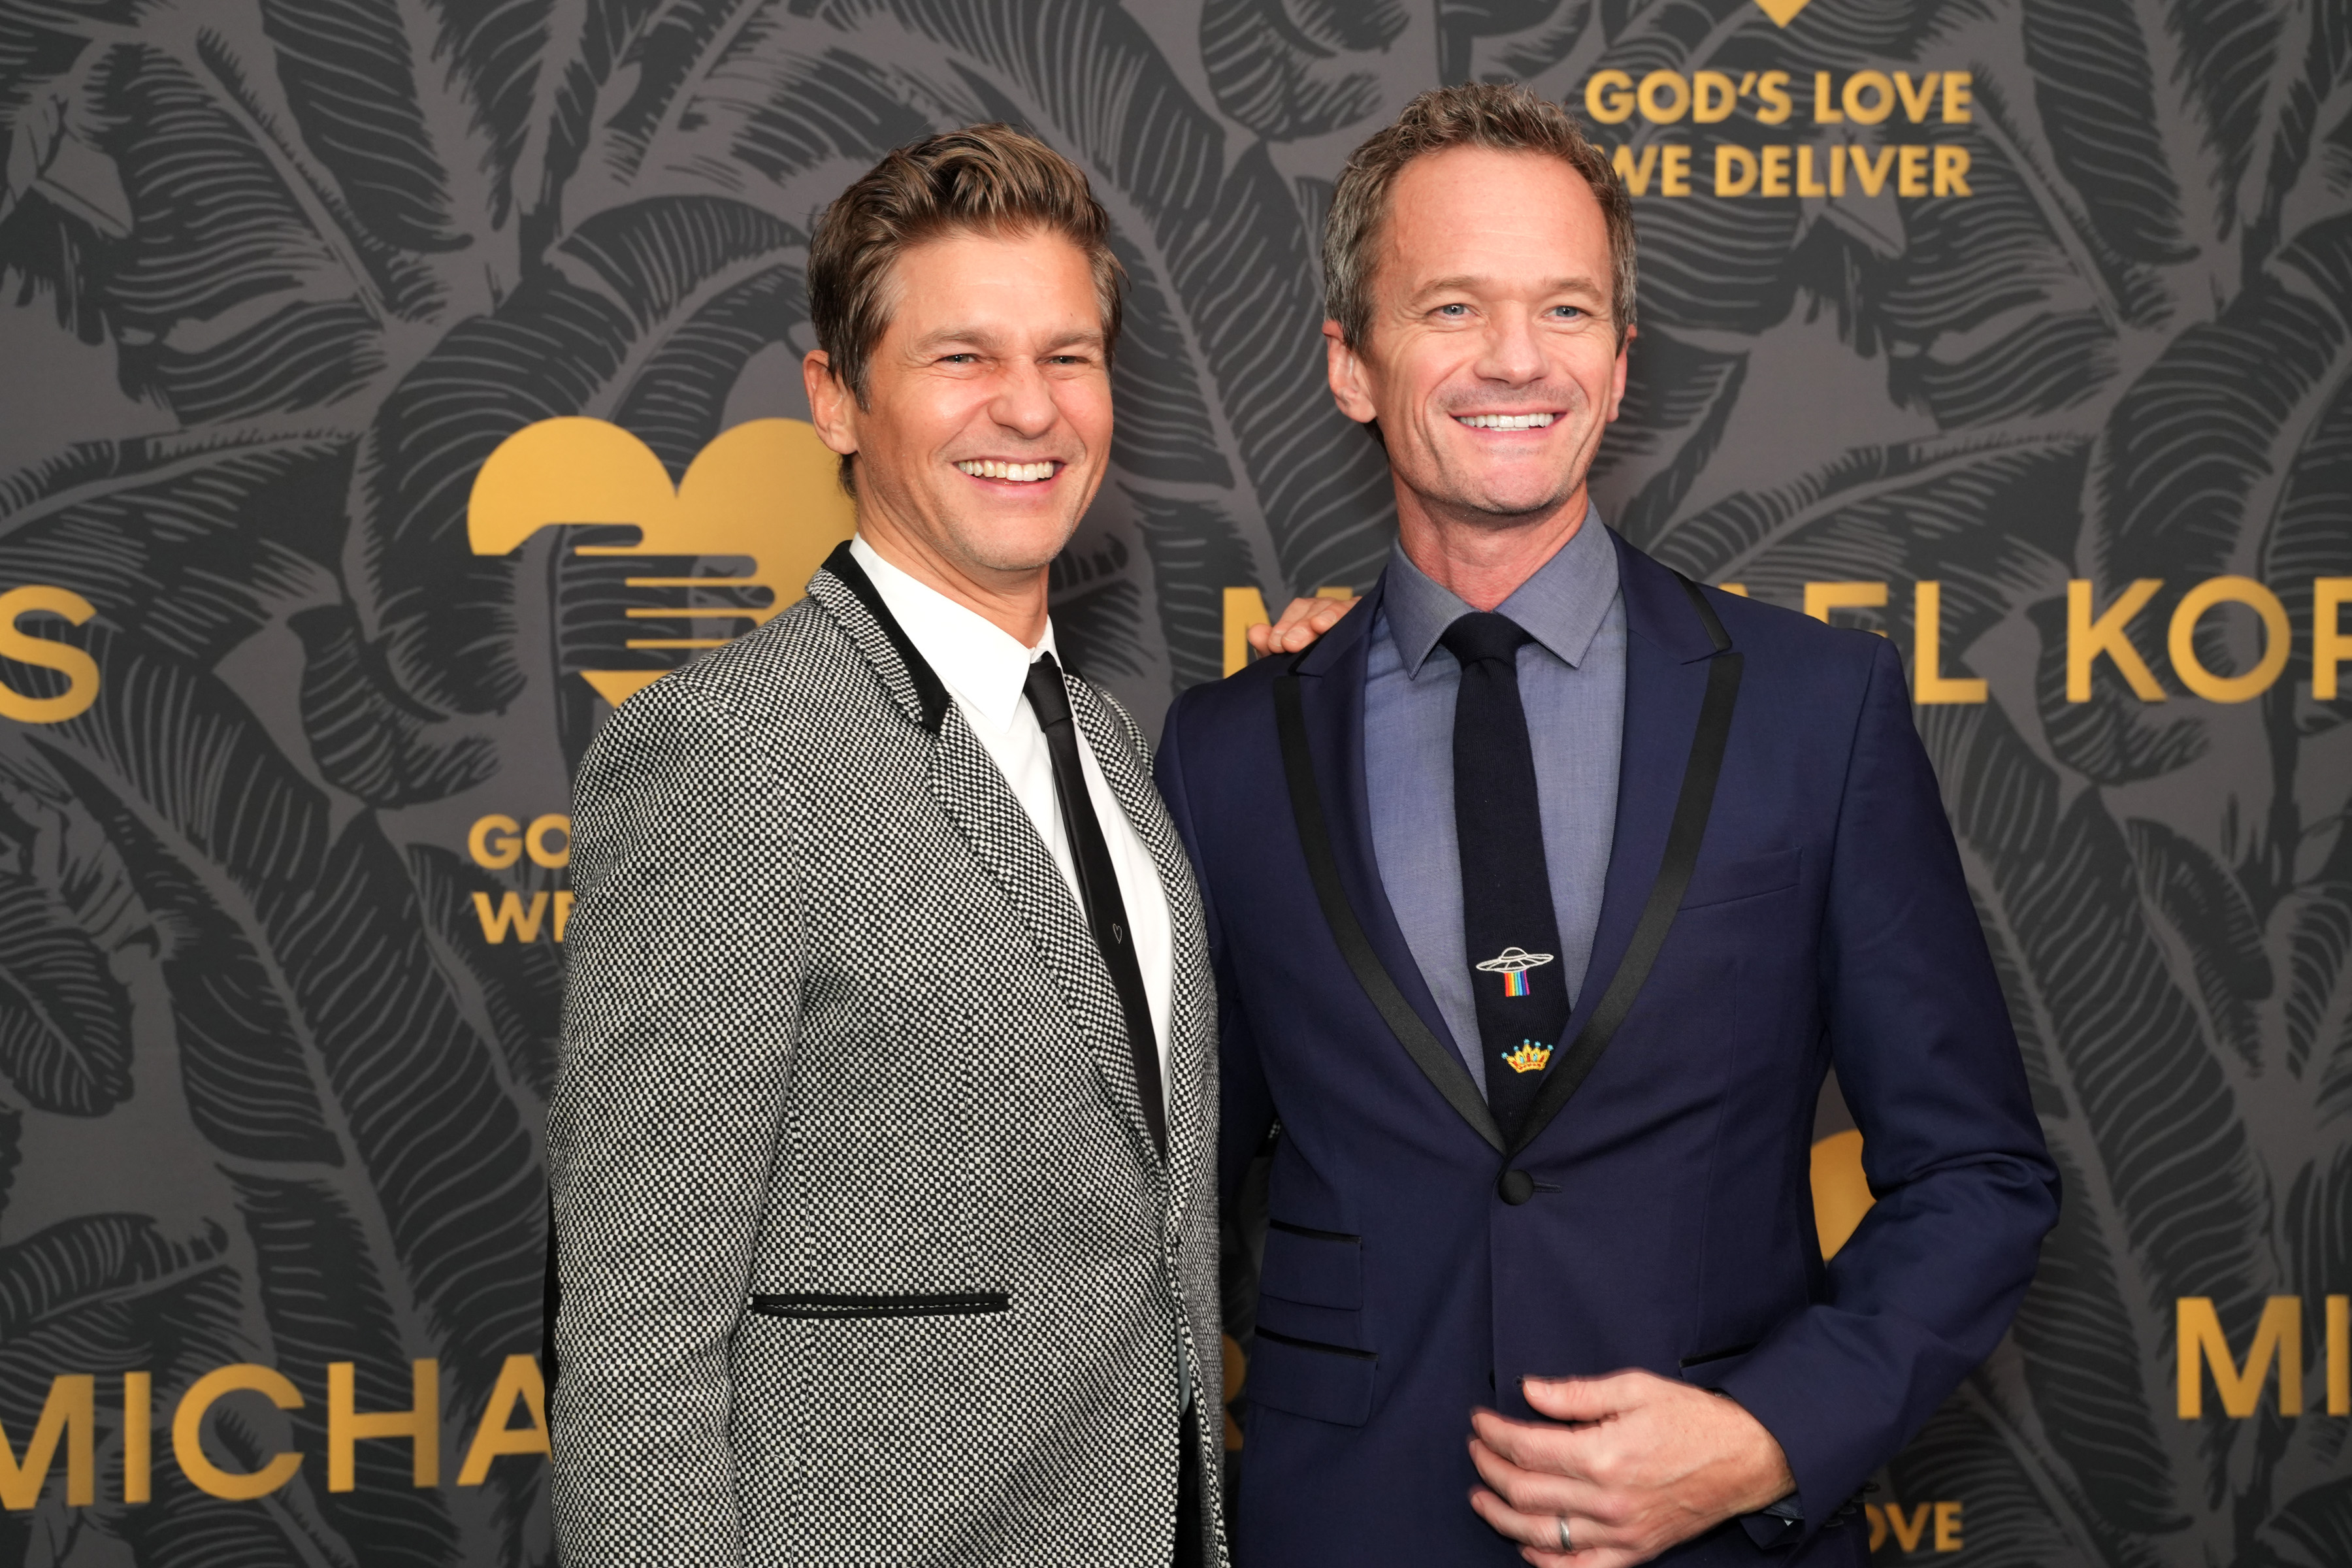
(1510, 935)
(1098, 886)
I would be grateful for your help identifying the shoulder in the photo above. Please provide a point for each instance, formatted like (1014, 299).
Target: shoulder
(1216, 718)
(1239, 708)
(1777, 632)
(796, 667)
(1246, 689)
(1781, 648)
(785, 696)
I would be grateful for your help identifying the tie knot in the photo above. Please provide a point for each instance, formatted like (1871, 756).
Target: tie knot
(1483, 634)
(1046, 694)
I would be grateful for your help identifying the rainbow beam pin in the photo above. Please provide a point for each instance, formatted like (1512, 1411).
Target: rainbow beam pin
(1513, 963)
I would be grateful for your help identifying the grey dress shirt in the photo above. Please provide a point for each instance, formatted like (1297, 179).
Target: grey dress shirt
(1572, 683)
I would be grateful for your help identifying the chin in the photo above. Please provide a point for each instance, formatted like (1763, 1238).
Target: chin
(1025, 544)
(1508, 504)
(1507, 493)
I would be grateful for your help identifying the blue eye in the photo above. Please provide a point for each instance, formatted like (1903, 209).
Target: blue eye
(1455, 311)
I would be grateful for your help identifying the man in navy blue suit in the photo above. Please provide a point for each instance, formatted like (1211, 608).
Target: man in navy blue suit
(1543, 891)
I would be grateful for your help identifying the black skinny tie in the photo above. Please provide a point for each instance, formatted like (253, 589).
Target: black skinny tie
(1510, 933)
(1098, 886)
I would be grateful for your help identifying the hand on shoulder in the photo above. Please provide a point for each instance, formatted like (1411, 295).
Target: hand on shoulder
(1304, 622)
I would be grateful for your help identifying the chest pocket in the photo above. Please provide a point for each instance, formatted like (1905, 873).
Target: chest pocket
(1750, 877)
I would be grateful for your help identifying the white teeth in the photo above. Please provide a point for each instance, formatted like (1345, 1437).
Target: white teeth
(1020, 473)
(1507, 421)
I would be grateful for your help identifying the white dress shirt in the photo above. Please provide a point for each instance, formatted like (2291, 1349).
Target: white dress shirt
(986, 670)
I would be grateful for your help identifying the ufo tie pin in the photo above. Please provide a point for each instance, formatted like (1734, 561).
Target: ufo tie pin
(1513, 963)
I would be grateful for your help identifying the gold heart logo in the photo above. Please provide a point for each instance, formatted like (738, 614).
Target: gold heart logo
(1783, 12)
(763, 489)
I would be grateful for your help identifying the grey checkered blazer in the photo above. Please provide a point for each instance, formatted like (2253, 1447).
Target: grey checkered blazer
(866, 1255)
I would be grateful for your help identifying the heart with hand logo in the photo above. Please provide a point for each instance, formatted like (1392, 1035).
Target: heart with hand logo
(764, 490)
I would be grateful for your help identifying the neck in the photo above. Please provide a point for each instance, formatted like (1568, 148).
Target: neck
(1012, 600)
(1481, 559)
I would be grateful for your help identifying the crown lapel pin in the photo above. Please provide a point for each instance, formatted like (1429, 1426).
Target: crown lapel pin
(1529, 1057)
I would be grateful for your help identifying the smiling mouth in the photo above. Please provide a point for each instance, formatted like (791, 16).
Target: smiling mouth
(1015, 473)
(1506, 421)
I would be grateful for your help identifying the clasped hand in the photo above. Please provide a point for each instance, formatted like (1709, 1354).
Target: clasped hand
(1639, 1464)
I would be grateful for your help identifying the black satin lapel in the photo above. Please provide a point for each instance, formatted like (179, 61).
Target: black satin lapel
(1678, 710)
(850, 584)
(1662, 703)
(970, 791)
(1359, 865)
(1332, 707)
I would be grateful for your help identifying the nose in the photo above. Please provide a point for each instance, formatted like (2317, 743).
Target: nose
(1514, 355)
(1024, 403)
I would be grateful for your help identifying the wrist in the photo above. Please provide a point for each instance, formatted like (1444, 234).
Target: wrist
(1761, 1466)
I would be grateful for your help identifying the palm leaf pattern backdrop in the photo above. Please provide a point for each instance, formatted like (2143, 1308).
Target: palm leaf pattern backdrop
(282, 273)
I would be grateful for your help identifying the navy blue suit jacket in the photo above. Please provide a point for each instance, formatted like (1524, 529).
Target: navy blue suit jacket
(1671, 1228)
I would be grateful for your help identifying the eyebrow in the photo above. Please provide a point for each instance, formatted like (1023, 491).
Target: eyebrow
(1465, 282)
(981, 337)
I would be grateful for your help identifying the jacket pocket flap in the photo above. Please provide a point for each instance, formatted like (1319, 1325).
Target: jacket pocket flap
(1742, 878)
(950, 1304)
(1320, 1267)
(1323, 1383)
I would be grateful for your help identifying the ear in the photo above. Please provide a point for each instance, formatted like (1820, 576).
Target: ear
(1617, 376)
(834, 411)
(1351, 388)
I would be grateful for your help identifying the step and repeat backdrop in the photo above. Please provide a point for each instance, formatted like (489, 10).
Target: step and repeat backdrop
(389, 387)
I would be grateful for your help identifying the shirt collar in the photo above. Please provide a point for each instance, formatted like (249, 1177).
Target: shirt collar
(1561, 606)
(985, 666)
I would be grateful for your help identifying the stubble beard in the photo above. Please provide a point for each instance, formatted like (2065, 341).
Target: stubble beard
(1463, 501)
(975, 544)
(963, 541)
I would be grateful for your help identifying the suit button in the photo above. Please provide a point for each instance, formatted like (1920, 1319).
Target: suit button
(1516, 1187)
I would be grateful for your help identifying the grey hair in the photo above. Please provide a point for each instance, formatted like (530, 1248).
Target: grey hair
(1505, 118)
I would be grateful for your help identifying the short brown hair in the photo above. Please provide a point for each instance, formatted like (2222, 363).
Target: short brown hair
(1505, 118)
(991, 179)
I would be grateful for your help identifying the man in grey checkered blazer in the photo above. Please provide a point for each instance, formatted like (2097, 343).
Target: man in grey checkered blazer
(882, 1149)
